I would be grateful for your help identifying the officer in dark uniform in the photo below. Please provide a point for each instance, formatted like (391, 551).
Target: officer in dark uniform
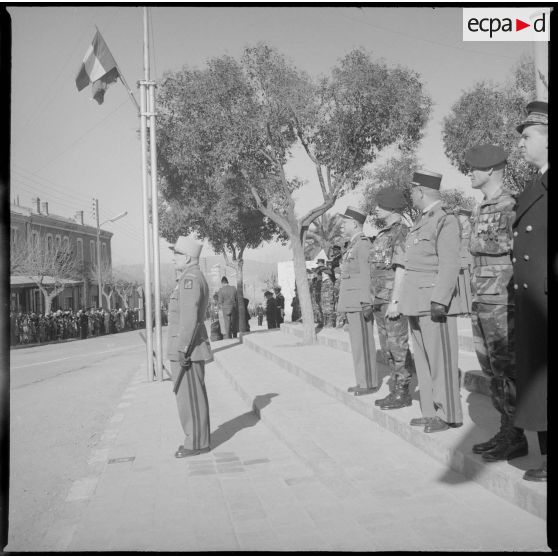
(187, 306)
(428, 297)
(270, 310)
(355, 299)
(393, 328)
(280, 301)
(530, 283)
(493, 317)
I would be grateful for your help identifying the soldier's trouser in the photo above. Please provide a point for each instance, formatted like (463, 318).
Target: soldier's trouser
(318, 316)
(436, 352)
(228, 325)
(394, 342)
(493, 334)
(363, 348)
(193, 408)
(329, 318)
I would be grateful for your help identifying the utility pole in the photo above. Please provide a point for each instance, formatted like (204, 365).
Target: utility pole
(96, 210)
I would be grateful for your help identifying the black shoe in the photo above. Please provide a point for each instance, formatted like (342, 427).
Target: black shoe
(183, 452)
(420, 421)
(398, 402)
(353, 388)
(505, 424)
(436, 425)
(365, 391)
(508, 448)
(537, 475)
(384, 400)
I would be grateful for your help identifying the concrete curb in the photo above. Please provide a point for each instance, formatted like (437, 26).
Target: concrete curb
(502, 479)
(473, 380)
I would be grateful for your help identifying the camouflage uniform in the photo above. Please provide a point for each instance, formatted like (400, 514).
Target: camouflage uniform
(327, 299)
(315, 293)
(493, 304)
(393, 334)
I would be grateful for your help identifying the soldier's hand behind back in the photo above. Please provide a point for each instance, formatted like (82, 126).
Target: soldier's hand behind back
(438, 312)
(185, 361)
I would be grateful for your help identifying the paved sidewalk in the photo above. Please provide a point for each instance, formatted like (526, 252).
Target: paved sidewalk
(253, 493)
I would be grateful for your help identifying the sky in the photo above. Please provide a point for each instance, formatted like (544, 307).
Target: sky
(67, 149)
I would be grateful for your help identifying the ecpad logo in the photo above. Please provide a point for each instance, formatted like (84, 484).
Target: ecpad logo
(506, 24)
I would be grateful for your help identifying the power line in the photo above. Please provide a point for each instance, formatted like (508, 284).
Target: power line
(438, 43)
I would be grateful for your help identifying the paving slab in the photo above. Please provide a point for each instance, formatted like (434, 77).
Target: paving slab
(330, 371)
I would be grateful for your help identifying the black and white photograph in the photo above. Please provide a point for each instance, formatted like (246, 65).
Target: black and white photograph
(278, 278)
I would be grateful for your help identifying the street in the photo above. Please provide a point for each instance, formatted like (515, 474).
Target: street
(61, 396)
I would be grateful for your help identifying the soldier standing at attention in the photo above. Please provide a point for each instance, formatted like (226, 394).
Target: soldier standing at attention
(530, 270)
(393, 328)
(228, 303)
(188, 347)
(355, 299)
(428, 297)
(493, 300)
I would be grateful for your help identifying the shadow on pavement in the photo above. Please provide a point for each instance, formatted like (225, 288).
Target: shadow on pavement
(228, 429)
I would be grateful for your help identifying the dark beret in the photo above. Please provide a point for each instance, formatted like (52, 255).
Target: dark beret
(537, 113)
(391, 199)
(354, 213)
(485, 156)
(267, 293)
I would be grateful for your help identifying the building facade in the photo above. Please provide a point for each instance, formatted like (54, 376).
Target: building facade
(36, 226)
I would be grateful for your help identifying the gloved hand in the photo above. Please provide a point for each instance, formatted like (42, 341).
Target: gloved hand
(438, 312)
(184, 361)
(367, 312)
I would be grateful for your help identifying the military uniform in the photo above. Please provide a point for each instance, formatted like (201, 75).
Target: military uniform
(280, 301)
(464, 277)
(327, 300)
(187, 306)
(431, 263)
(315, 294)
(354, 291)
(228, 303)
(393, 334)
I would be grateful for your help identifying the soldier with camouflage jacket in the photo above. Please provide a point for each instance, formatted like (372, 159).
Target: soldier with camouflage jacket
(393, 328)
(493, 300)
(327, 297)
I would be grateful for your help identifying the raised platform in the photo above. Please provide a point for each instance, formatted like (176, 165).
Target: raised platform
(330, 371)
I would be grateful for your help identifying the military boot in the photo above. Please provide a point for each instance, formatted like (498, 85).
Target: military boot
(387, 398)
(402, 397)
(496, 439)
(512, 445)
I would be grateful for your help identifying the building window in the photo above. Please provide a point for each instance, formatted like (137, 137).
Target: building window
(92, 251)
(57, 241)
(66, 243)
(80, 250)
(104, 252)
(13, 237)
(49, 242)
(35, 239)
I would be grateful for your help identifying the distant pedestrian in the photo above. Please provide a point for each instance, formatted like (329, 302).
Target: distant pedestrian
(295, 305)
(227, 298)
(260, 313)
(280, 301)
(270, 310)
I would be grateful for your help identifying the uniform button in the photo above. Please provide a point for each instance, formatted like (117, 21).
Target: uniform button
(515, 233)
(516, 286)
(514, 260)
(526, 257)
(528, 228)
(524, 285)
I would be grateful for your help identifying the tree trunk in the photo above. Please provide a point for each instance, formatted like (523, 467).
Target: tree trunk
(107, 298)
(242, 318)
(303, 289)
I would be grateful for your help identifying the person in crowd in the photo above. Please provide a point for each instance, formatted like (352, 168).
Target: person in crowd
(393, 327)
(260, 313)
(216, 334)
(247, 313)
(188, 347)
(327, 297)
(227, 298)
(355, 299)
(315, 294)
(270, 310)
(340, 317)
(493, 296)
(295, 305)
(280, 301)
(428, 297)
(335, 256)
(530, 270)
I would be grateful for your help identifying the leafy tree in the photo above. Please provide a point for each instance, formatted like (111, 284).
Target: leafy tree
(223, 212)
(325, 231)
(489, 113)
(248, 115)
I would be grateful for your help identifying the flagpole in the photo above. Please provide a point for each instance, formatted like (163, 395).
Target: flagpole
(125, 84)
(146, 232)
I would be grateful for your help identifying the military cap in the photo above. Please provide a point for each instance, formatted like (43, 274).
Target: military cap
(391, 199)
(187, 246)
(353, 213)
(537, 113)
(485, 156)
(427, 178)
(268, 293)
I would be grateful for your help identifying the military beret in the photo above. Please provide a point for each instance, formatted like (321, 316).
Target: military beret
(537, 113)
(428, 179)
(354, 213)
(485, 156)
(391, 199)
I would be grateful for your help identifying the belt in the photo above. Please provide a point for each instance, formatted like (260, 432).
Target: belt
(492, 260)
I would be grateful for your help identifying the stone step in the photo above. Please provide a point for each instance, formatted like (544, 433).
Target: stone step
(331, 371)
(336, 338)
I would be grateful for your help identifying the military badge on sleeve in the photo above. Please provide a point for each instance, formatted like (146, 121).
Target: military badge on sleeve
(188, 283)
